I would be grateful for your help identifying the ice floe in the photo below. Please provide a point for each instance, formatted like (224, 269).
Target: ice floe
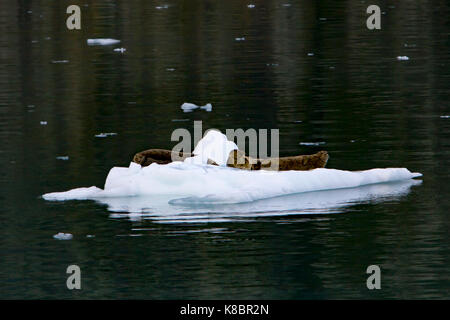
(195, 182)
(63, 236)
(189, 107)
(311, 143)
(105, 134)
(180, 182)
(102, 42)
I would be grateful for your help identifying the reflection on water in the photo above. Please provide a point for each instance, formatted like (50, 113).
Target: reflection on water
(159, 209)
(311, 70)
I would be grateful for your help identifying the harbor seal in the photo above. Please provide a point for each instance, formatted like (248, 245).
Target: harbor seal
(238, 159)
(159, 156)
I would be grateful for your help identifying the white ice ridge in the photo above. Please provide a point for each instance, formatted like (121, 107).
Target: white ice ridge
(195, 181)
(214, 146)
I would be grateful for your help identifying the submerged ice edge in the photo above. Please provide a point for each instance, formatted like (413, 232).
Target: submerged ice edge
(317, 202)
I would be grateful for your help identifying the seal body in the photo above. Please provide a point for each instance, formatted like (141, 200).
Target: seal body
(303, 162)
(238, 159)
(159, 156)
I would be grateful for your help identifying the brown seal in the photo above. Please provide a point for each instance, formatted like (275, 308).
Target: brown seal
(159, 156)
(303, 162)
(238, 159)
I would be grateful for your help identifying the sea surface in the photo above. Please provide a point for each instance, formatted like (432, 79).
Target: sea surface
(311, 69)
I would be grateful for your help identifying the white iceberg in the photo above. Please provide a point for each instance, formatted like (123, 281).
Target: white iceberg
(105, 134)
(63, 236)
(194, 181)
(217, 184)
(189, 107)
(312, 143)
(102, 42)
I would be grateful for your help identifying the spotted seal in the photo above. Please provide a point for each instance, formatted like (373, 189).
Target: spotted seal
(238, 159)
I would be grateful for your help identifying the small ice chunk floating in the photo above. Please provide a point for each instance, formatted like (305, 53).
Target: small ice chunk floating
(193, 180)
(105, 134)
(312, 143)
(189, 107)
(102, 42)
(63, 236)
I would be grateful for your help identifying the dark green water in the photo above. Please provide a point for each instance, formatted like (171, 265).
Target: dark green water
(370, 110)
